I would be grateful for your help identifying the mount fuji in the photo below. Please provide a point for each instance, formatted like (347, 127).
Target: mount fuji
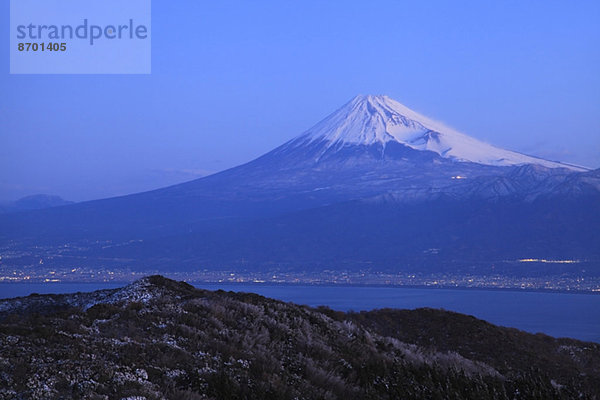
(374, 184)
(379, 121)
(375, 146)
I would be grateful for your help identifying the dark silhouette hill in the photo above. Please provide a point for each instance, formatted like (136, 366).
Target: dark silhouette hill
(158, 338)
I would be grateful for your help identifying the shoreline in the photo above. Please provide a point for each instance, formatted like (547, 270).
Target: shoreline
(198, 284)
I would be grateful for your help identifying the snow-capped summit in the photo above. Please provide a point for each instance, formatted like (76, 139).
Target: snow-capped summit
(378, 120)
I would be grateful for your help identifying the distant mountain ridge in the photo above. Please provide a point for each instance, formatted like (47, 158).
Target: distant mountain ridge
(34, 202)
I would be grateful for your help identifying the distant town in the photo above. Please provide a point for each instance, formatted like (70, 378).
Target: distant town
(326, 277)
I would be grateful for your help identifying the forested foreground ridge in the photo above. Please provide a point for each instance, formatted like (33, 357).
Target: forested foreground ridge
(162, 339)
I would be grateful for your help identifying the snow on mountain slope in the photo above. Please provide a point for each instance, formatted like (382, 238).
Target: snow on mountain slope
(369, 120)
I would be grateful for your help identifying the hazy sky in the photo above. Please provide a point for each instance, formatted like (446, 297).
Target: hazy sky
(232, 80)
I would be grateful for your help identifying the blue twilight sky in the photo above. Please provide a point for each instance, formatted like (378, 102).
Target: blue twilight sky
(232, 80)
